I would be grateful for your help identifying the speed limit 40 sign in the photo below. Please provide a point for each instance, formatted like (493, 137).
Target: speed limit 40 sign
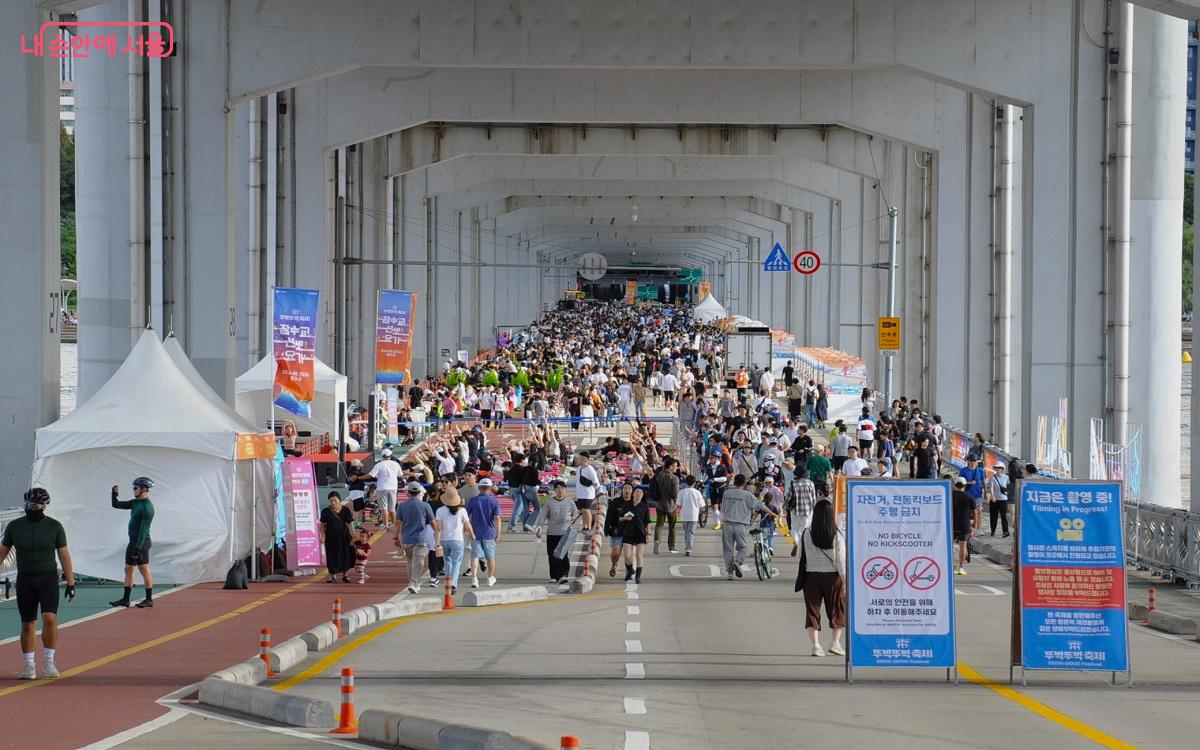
(806, 262)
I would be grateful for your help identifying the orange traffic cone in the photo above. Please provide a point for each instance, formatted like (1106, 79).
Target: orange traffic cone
(347, 722)
(448, 597)
(569, 742)
(337, 617)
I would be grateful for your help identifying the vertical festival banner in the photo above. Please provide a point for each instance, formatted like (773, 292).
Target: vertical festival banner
(631, 292)
(294, 336)
(901, 603)
(1072, 567)
(300, 496)
(703, 291)
(393, 337)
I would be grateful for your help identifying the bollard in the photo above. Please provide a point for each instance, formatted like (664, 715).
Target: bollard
(264, 650)
(347, 723)
(337, 617)
(448, 597)
(1153, 600)
(569, 743)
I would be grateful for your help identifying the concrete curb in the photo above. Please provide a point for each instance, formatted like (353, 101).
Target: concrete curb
(1138, 612)
(393, 729)
(320, 638)
(359, 619)
(266, 704)
(1174, 624)
(288, 654)
(250, 672)
(489, 597)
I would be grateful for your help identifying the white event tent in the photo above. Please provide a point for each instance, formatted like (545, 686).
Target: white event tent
(709, 309)
(254, 394)
(151, 419)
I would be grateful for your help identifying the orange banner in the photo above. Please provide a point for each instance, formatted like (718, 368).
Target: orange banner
(255, 445)
(393, 337)
(704, 290)
(631, 292)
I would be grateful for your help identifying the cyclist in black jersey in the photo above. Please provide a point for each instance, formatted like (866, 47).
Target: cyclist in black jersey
(37, 538)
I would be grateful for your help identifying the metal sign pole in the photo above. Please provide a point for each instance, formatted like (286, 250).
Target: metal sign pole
(893, 221)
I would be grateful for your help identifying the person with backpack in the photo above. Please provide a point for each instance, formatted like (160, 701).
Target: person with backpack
(997, 492)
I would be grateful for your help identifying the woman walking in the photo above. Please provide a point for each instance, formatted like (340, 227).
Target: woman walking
(635, 529)
(822, 575)
(336, 536)
(612, 525)
(452, 528)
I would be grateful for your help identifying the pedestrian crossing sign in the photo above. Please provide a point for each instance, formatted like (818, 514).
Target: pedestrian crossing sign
(778, 260)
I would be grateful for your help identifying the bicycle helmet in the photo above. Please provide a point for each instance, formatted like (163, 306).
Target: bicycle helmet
(146, 482)
(37, 496)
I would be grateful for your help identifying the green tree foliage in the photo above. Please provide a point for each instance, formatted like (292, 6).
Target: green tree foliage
(66, 202)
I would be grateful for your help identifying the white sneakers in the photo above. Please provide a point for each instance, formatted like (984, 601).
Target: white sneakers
(491, 580)
(29, 672)
(414, 588)
(960, 571)
(49, 670)
(818, 651)
(837, 649)
(474, 582)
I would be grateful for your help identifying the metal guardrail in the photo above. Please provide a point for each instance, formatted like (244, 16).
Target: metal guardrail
(1164, 541)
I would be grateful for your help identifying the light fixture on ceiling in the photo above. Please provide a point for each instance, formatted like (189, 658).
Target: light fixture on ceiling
(634, 215)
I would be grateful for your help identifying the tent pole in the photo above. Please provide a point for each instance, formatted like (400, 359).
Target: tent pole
(232, 507)
(253, 523)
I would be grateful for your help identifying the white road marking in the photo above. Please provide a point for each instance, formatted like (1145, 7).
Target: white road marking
(633, 627)
(631, 586)
(633, 609)
(635, 671)
(632, 595)
(635, 705)
(637, 741)
(961, 588)
(633, 647)
(709, 571)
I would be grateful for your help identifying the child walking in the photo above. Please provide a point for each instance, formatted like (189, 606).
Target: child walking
(362, 549)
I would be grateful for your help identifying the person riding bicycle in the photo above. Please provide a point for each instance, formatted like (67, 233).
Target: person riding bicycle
(36, 538)
(137, 552)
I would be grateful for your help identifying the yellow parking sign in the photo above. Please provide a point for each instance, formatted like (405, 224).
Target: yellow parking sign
(889, 334)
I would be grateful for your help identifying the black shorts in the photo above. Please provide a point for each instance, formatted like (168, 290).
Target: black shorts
(584, 504)
(137, 555)
(962, 536)
(34, 591)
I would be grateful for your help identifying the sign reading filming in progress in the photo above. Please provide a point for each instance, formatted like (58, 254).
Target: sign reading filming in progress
(899, 569)
(1073, 599)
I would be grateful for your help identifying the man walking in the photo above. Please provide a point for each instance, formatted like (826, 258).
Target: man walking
(691, 502)
(484, 513)
(386, 474)
(587, 481)
(37, 538)
(412, 517)
(137, 552)
(976, 478)
(801, 499)
(737, 507)
(963, 514)
(664, 491)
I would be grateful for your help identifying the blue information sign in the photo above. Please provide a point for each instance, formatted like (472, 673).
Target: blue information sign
(899, 571)
(1073, 602)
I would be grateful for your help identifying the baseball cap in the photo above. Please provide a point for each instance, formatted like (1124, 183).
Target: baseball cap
(769, 480)
(414, 488)
(960, 482)
(386, 452)
(485, 482)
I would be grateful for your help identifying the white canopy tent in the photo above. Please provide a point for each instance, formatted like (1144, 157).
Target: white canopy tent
(254, 394)
(709, 309)
(151, 420)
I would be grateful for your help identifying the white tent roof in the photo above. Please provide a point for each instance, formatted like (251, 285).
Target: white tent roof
(180, 358)
(709, 309)
(262, 377)
(148, 402)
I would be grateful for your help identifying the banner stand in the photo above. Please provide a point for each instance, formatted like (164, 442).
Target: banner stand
(1077, 499)
(900, 608)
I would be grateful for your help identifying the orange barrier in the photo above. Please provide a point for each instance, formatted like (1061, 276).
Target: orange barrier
(1153, 600)
(337, 617)
(448, 598)
(347, 722)
(264, 650)
(569, 743)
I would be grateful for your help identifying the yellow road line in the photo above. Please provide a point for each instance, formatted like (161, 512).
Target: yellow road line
(330, 659)
(1041, 709)
(117, 655)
